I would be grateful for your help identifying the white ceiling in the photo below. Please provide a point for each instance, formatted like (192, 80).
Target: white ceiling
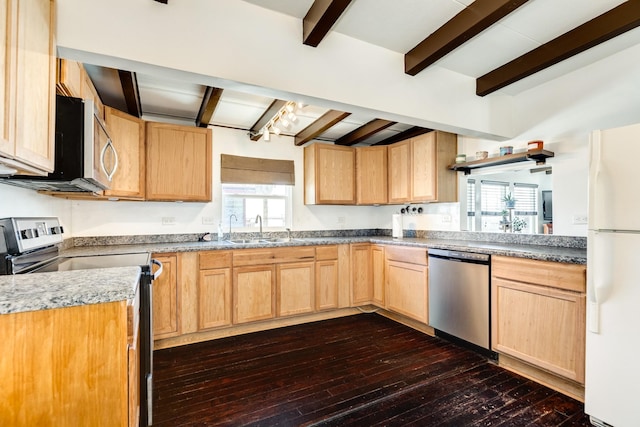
(395, 25)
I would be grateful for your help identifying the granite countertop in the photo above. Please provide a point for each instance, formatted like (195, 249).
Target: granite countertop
(536, 252)
(41, 291)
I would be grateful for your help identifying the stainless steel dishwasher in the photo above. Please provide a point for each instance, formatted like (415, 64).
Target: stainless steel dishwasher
(459, 295)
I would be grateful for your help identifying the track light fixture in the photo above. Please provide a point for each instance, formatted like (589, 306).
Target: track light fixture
(284, 118)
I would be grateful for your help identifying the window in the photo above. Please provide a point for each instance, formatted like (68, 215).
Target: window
(247, 201)
(486, 210)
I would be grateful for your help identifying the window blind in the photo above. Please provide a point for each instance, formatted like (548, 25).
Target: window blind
(526, 196)
(252, 170)
(471, 197)
(491, 195)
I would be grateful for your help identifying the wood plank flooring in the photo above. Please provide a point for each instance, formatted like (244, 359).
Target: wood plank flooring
(363, 370)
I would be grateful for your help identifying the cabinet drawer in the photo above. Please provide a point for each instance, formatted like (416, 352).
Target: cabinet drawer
(215, 259)
(571, 277)
(404, 254)
(272, 255)
(326, 252)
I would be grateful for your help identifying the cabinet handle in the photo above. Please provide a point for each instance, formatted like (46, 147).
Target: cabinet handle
(109, 145)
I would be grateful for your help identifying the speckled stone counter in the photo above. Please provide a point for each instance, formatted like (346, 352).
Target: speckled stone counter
(575, 255)
(42, 291)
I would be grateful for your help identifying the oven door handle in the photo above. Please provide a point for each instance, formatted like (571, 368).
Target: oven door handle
(158, 272)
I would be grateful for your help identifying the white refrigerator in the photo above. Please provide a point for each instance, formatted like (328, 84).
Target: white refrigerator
(612, 384)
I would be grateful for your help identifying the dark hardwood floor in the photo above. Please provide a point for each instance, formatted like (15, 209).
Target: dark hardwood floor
(362, 370)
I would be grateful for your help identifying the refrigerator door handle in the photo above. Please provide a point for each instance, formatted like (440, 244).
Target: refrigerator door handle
(596, 158)
(599, 277)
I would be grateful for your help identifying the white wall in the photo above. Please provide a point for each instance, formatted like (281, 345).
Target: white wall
(16, 202)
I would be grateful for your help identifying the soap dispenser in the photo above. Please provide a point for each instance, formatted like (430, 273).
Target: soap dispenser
(220, 233)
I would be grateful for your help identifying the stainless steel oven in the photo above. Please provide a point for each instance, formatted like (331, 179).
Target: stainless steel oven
(28, 245)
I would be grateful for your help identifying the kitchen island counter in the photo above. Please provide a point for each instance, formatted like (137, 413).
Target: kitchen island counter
(42, 291)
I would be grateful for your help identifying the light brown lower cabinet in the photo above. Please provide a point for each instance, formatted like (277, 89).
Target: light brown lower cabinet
(361, 274)
(539, 314)
(406, 278)
(295, 283)
(63, 365)
(165, 298)
(253, 293)
(377, 274)
(214, 289)
(327, 274)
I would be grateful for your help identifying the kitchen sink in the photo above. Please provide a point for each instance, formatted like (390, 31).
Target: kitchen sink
(244, 241)
(270, 240)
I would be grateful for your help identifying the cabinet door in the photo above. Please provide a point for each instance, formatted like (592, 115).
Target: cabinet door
(540, 325)
(89, 92)
(423, 168)
(377, 267)
(327, 284)
(214, 298)
(361, 283)
(371, 175)
(330, 175)
(253, 293)
(178, 163)
(134, 382)
(127, 133)
(165, 298)
(399, 172)
(35, 78)
(407, 290)
(295, 288)
(69, 78)
(7, 76)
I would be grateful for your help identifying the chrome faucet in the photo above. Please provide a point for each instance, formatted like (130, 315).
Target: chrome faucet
(231, 216)
(288, 233)
(259, 218)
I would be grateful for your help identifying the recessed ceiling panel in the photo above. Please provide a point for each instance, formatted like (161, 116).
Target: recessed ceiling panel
(169, 98)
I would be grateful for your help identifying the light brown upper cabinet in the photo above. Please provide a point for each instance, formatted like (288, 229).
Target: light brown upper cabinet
(418, 169)
(329, 175)
(371, 175)
(27, 69)
(178, 163)
(128, 135)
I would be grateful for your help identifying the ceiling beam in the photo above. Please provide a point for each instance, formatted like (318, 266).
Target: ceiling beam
(322, 15)
(471, 21)
(610, 24)
(405, 134)
(208, 107)
(272, 110)
(162, 1)
(129, 84)
(364, 132)
(316, 128)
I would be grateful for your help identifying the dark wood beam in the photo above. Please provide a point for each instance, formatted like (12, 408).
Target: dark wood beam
(471, 21)
(162, 1)
(129, 84)
(322, 15)
(610, 24)
(316, 128)
(405, 134)
(208, 107)
(276, 105)
(364, 132)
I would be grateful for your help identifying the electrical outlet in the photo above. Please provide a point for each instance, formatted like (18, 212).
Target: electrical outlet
(208, 220)
(579, 219)
(341, 220)
(168, 220)
(446, 219)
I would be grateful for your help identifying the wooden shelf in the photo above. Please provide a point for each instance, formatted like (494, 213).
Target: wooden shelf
(538, 156)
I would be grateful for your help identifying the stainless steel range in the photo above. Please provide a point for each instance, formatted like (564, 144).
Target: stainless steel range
(30, 245)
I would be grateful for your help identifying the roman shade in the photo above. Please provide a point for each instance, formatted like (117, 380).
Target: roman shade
(252, 170)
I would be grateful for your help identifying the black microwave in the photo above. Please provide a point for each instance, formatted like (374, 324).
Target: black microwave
(85, 157)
